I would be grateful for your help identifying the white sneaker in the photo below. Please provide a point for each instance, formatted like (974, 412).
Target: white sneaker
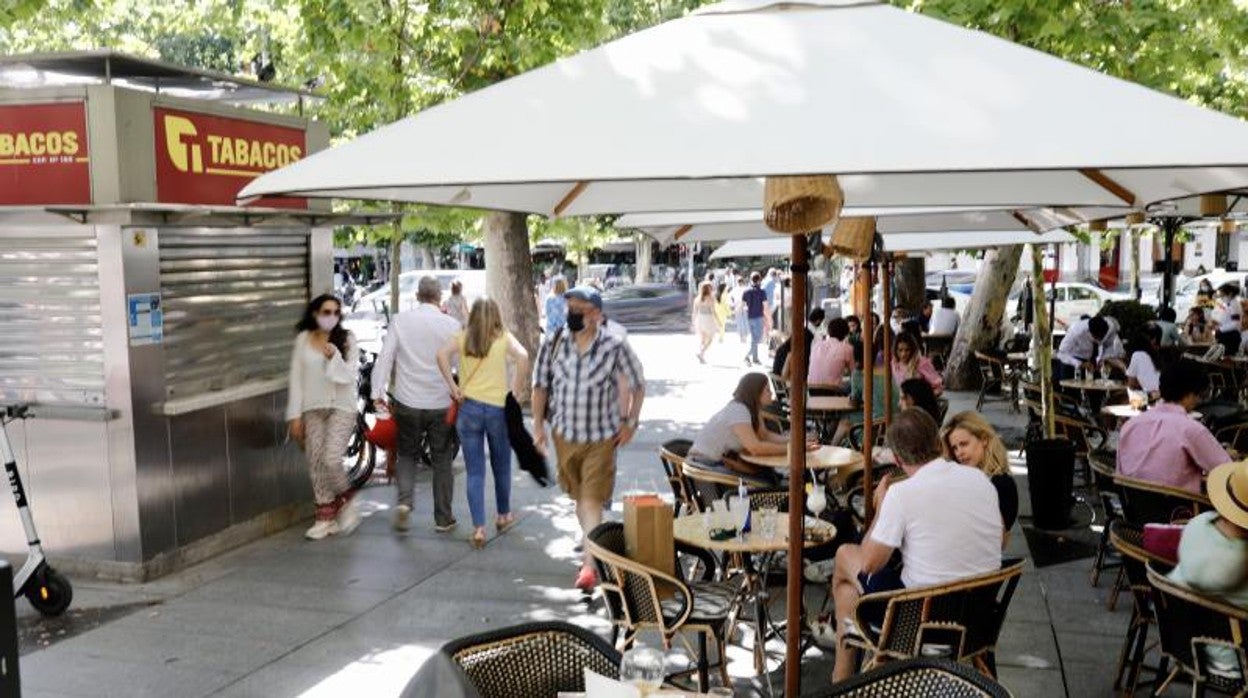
(403, 518)
(348, 518)
(321, 529)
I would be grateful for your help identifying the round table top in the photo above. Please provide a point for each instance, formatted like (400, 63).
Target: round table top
(691, 530)
(1127, 412)
(832, 403)
(1108, 386)
(1016, 356)
(826, 458)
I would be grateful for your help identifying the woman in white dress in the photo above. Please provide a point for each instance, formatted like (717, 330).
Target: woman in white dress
(705, 322)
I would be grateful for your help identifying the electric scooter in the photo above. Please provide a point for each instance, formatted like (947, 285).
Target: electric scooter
(45, 588)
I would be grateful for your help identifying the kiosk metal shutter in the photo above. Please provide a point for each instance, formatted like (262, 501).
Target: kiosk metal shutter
(231, 298)
(51, 332)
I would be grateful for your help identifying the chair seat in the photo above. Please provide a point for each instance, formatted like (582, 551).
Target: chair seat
(712, 601)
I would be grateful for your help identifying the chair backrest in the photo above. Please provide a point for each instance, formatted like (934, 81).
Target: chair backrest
(533, 659)
(920, 676)
(942, 408)
(965, 615)
(1086, 436)
(707, 484)
(1188, 623)
(1128, 540)
(1236, 435)
(672, 456)
(1147, 502)
(990, 367)
(631, 589)
(779, 389)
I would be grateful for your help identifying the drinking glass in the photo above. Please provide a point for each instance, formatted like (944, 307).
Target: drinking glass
(740, 508)
(1137, 399)
(767, 523)
(816, 501)
(643, 667)
(1104, 372)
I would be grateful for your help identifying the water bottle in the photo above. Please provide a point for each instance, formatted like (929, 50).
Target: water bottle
(744, 493)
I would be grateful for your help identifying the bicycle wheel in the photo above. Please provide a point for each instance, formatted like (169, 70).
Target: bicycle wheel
(361, 455)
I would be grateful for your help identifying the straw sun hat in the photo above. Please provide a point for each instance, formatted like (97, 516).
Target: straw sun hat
(1228, 490)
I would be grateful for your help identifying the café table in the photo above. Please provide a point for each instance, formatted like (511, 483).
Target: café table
(825, 410)
(693, 529)
(836, 462)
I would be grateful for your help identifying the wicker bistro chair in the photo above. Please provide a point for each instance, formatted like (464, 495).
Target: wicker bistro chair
(1128, 540)
(1189, 624)
(1103, 466)
(1147, 502)
(1235, 436)
(995, 380)
(672, 457)
(533, 659)
(921, 676)
(964, 616)
(640, 597)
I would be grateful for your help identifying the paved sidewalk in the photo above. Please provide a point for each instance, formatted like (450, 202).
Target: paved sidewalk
(358, 615)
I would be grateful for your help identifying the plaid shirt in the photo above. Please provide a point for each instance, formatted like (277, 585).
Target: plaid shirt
(582, 389)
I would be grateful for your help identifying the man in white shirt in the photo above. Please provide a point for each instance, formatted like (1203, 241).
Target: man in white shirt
(410, 353)
(1088, 343)
(944, 320)
(943, 518)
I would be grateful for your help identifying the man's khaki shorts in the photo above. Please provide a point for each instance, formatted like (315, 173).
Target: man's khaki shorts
(586, 470)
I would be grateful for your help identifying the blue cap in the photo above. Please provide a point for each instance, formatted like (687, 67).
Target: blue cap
(585, 293)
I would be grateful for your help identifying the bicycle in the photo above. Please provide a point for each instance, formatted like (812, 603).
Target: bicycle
(45, 588)
(360, 459)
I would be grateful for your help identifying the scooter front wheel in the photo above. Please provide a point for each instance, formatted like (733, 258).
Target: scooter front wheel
(50, 592)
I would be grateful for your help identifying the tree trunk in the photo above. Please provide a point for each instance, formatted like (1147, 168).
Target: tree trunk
(643, 259)
(509, 278)
(396, 266)
(981, 327)
(910, 274)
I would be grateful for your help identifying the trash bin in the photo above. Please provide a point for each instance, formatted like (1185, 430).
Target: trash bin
(10, 685)
(1050, 478)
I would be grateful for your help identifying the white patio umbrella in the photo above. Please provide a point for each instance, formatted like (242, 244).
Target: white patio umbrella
(776, 246)
(689, 115)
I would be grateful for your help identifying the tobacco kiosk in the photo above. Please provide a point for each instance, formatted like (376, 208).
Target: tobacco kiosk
(147, 316)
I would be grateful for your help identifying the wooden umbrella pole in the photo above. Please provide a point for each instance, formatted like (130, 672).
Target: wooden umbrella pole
(886, 284)
(867, 279)
(1043, 341)
(797, 467)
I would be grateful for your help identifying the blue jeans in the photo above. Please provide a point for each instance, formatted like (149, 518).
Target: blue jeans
(756, 336)
(477, 423)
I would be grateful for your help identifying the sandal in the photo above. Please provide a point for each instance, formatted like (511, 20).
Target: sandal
(503, 523)
(478, 539)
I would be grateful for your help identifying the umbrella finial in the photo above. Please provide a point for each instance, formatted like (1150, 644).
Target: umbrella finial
(801, 204)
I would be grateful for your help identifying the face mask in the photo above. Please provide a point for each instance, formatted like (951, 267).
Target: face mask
(576, 322)
(326, 323)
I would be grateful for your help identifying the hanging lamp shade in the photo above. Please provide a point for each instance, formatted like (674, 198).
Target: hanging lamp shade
(1098, 226)
(1212, 205)
(1135, 218)
(1228, 226)
(853, 238)
(801, 204)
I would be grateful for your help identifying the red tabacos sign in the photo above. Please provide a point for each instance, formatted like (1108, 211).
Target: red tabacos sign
(203, 159)
(43, 154)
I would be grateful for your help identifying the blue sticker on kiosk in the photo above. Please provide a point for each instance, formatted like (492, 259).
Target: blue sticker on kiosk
(147, 325)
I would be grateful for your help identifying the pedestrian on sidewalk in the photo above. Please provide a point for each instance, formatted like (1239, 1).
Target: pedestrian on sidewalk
(410, 355)
(321, 413)
(457, 305)
(483, 349)
(578, 377)
(704, 322)
(756, 311)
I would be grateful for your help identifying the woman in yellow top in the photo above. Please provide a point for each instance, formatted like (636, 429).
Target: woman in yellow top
(484, 348)
(722, 311)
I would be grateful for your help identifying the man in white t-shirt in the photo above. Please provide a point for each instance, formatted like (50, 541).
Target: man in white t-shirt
(944, 320)
(943, 518)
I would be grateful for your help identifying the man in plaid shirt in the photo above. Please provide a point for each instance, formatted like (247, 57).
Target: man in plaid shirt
(578, 377)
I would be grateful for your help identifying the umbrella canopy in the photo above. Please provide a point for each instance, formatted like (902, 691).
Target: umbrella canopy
(714, 226)
(689, 115)
(775, 246)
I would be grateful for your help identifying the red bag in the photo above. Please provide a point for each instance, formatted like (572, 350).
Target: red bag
(384, 434)
(452, 413)
(1162, 540)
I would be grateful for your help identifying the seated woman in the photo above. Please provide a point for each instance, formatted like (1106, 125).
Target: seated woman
(1144, 372)
(969, 439)
(737, 429)
(857, 383)
(917, 393)
(1197, 328)
(909, 363)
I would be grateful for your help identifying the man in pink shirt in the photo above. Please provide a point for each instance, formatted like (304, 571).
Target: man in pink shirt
(1165, 445)
(831, 359)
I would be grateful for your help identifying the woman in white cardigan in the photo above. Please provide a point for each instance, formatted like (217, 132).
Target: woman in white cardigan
(321, 410)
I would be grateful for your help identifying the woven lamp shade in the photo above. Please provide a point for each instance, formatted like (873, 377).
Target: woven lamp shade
(853, 238)
(1228, 226)
(801, 204)
(1135, 218)
(1212, 205)
(1098, 226)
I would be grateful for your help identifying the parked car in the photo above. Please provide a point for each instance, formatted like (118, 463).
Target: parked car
(648, 307)
(1075, 299)
(959, 280)
(377, 302)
